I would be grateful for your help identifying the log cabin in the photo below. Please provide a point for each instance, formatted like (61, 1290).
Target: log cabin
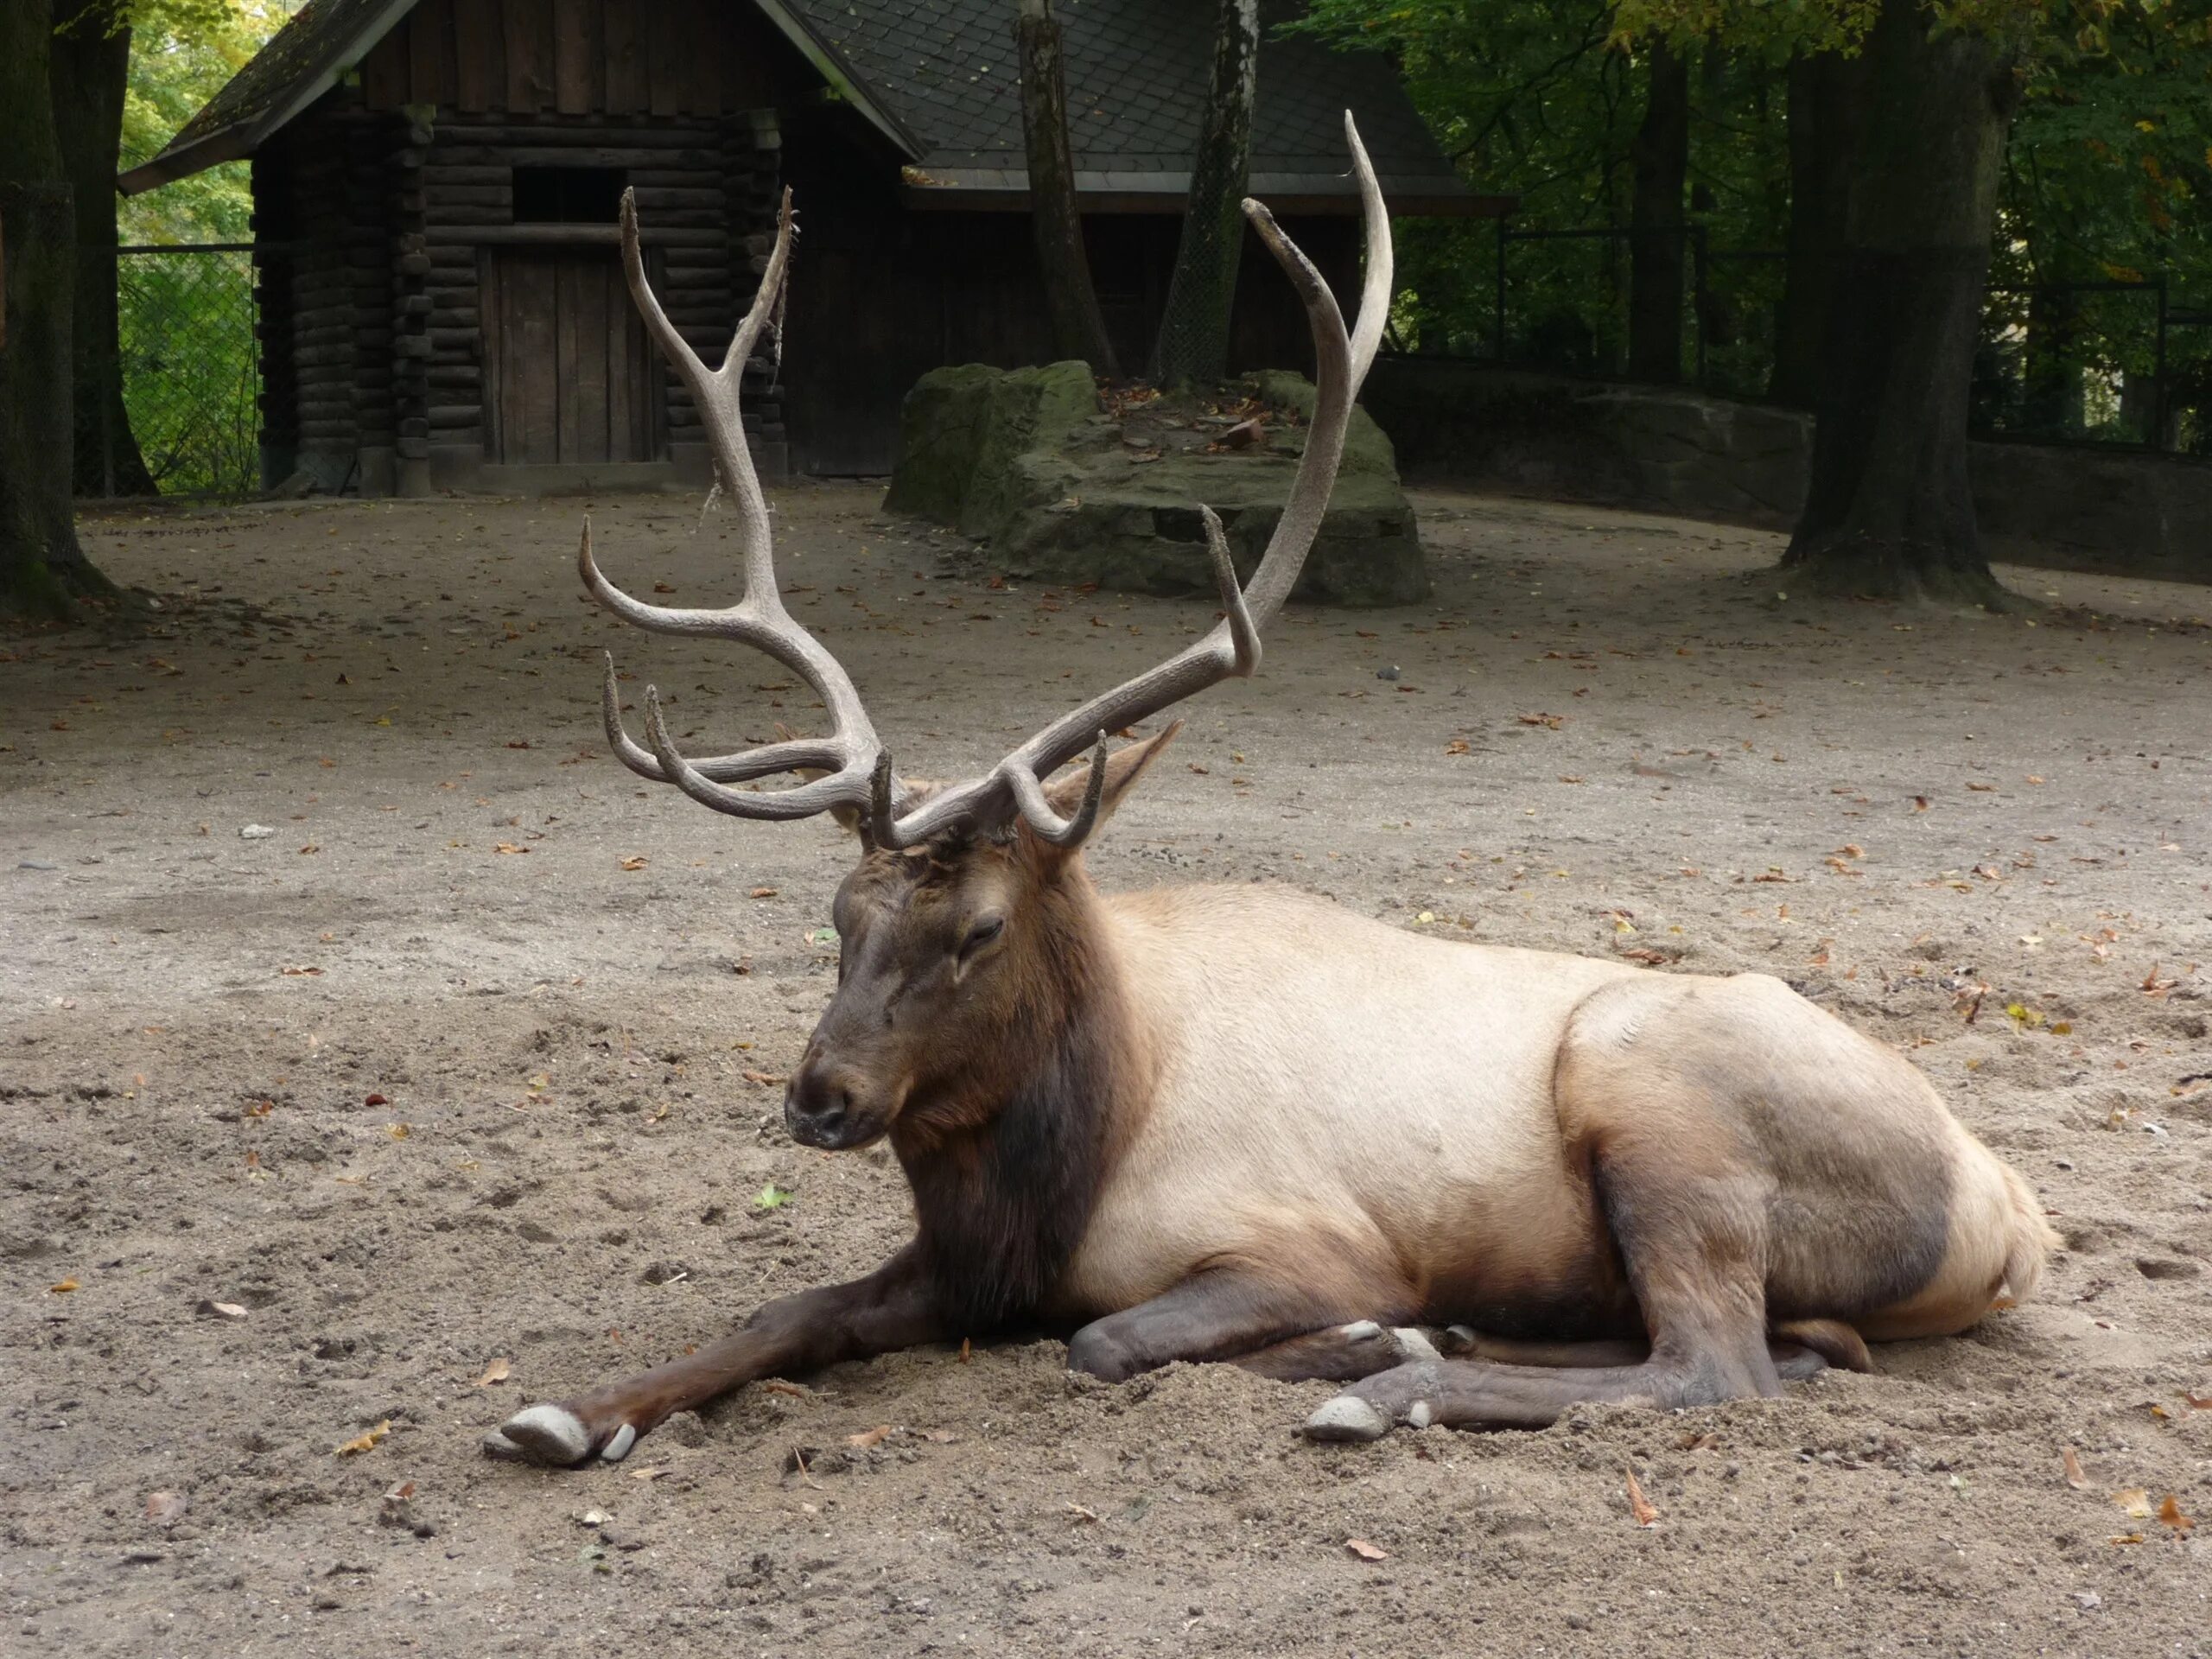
(435, 181)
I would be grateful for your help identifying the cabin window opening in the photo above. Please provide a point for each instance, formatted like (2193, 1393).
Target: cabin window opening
(569, 195)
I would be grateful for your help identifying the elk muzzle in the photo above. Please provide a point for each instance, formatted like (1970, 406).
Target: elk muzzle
(834, 1106)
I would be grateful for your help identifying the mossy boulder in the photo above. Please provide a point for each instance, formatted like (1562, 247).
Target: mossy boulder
(1029, 460)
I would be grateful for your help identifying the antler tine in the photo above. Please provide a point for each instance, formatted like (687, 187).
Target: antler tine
(759, 619)
(1232, 647)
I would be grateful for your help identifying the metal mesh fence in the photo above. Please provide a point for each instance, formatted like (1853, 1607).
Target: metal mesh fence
(2113, 364)
(192, 365)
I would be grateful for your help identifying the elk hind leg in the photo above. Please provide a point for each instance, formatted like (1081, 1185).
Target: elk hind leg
(1690, 1222)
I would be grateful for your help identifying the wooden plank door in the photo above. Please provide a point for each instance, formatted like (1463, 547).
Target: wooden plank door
(571, 374)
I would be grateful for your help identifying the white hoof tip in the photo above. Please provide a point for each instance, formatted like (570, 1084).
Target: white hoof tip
(550, 1435)
(618, 1447)
(1419, 1416)
(497, 1445)
(1347, 1417)
(1414, 1344)
(1361, 1331)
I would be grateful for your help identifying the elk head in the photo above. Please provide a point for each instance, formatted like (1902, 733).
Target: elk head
(965, 923)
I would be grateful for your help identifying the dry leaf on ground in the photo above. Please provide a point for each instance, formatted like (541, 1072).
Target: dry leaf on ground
(1365, 1551)
(2075, 1477)
(2135, 1502)
(2170, 1512)
(164, 1509)
(1639, 1506)
(868, 1437)
(498, 1371)
(364, 1442)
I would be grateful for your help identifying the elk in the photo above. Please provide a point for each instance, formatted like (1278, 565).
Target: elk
(1240, 1124)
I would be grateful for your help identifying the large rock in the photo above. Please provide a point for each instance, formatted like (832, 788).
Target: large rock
(1025, 458)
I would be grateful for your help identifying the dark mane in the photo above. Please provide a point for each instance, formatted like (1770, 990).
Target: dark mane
(1002, 1205)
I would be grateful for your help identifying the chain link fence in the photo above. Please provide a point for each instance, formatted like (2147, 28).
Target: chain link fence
(191, 365)
(2117, 364)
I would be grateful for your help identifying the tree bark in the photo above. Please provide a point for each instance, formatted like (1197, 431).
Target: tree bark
(1889, 511)
(1078, 326)
(1193, 344)
(1823, 106)
(90, 74)
(41, 567)
(1660, 156)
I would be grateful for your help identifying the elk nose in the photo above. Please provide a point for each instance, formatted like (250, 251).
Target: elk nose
(817, 1105)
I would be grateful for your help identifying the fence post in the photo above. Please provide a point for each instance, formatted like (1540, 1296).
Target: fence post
(2158, 376)
(1497, 319)
(1699, 297)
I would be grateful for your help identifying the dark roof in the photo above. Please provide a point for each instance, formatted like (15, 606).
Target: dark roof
(937, 76)
(1136, 74)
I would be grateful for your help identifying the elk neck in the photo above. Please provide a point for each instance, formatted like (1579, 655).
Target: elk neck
(1006, 1167)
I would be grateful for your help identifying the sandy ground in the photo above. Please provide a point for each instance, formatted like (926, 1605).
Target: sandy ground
(474, 1063)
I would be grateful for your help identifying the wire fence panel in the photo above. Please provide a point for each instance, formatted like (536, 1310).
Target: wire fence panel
(2111, 364)
(192, 365)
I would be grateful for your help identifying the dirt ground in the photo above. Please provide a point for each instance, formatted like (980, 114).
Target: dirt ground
(473, 1063)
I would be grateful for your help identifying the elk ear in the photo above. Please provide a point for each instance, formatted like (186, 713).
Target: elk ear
(1123, 767)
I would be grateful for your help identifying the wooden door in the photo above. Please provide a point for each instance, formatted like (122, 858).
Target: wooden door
(569, 375)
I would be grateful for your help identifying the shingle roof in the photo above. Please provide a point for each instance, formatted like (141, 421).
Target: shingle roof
(1136, 74)
(945, 72)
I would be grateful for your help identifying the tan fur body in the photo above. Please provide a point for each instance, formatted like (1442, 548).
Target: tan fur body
(1420, 1114)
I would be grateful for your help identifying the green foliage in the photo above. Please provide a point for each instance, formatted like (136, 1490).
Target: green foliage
(2108, 175)
(182, 53)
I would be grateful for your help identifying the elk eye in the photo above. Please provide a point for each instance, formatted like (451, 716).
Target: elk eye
(981, 935)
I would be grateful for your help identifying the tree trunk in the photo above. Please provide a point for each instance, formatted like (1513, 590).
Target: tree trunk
(41, 567)
(1889, 511)
(1662, 158)
(1824, 105)
(1194, 345)
(1078, 326)
(90, 73)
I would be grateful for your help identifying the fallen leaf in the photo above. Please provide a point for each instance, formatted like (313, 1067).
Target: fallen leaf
(868, 1437)
(2169, 1513)
(771, 1197)
(2197, 1402)
(498, 1371)
(302, 972)
(398, 1131)
(508, 847)
(939, 1436)
(1081, 1514)
(2075, 1477)
(1457, 746)
(165, 1508)
(1920, 802)
(63, 1288)
(1639, 1506)
(650, 1474)
(1553, 722)
(2125, 1538)
(376, 1100)
(229, 1310)
(2135, 1503)
(365, 1442)
(1365, 1551)
(967, 1350)
(635, 861)
(763, 892)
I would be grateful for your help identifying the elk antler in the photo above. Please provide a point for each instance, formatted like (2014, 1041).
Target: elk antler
(860, 771)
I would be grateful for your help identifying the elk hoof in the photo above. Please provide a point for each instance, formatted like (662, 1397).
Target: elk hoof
(547, 1434)
(618, 1447)
(1361, 1331)
(1347, 1417)
(1414, 1344)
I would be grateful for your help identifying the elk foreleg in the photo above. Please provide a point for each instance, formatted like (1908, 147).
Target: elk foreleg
(1276, 1328)
(891, 1308)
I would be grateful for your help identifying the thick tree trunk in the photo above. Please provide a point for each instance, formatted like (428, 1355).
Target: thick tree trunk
(1194, 345)
(41, 567)
(1662, 158)
(1078, 326)
(1889, 511)
(1824, 105)
(89, 74)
